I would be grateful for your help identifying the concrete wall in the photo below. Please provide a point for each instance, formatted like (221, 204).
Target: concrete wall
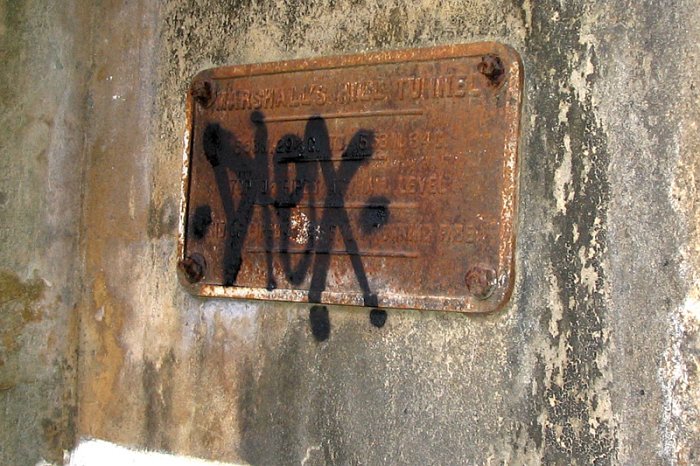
(594, 360)
(44, 60)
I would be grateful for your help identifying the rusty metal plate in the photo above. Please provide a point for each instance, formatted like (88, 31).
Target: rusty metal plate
(383, 180)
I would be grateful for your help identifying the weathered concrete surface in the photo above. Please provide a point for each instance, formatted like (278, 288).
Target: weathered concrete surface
(42, 97)
(594, 361)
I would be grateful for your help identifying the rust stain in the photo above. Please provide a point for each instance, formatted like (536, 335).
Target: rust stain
(101, 387)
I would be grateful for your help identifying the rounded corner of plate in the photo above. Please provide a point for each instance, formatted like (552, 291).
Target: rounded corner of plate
(192, 289)
(202, 75)
(502, 300)
(507, 51)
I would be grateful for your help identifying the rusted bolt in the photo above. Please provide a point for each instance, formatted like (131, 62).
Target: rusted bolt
(192, 268)
(492, 67)
(203, 92)
(481, 281)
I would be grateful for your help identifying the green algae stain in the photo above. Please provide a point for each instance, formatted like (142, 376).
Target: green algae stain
(18, 307)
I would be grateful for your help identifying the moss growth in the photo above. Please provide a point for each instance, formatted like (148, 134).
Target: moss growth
(17, 308)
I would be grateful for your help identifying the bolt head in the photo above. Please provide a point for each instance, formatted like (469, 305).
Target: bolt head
(203, 92)
(481, 281)
(492, 67)
(192, 268)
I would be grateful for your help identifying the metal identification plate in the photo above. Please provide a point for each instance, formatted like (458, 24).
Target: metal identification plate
(384, 180)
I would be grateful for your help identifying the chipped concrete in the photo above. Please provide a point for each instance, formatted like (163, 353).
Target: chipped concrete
(594, 361)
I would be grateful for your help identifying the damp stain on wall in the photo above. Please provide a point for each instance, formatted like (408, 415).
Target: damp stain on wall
(20, 306)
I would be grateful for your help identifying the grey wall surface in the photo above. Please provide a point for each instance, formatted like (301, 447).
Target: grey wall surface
(44, 63)
(595, 360)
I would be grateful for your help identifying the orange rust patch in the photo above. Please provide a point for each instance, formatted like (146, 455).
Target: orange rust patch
(100, 385)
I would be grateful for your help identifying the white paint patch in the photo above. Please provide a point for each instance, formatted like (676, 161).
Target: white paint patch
(564, 112)
(677, 374)
(562, 178)
(556, 304)
(527, 9)
(132, 199)
(300, 226)
(102, 453)
(589, 275)
(673, 376)
(579, 76)
(307, 456)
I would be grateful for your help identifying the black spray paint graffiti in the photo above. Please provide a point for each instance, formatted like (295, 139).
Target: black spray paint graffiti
(312, 160)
